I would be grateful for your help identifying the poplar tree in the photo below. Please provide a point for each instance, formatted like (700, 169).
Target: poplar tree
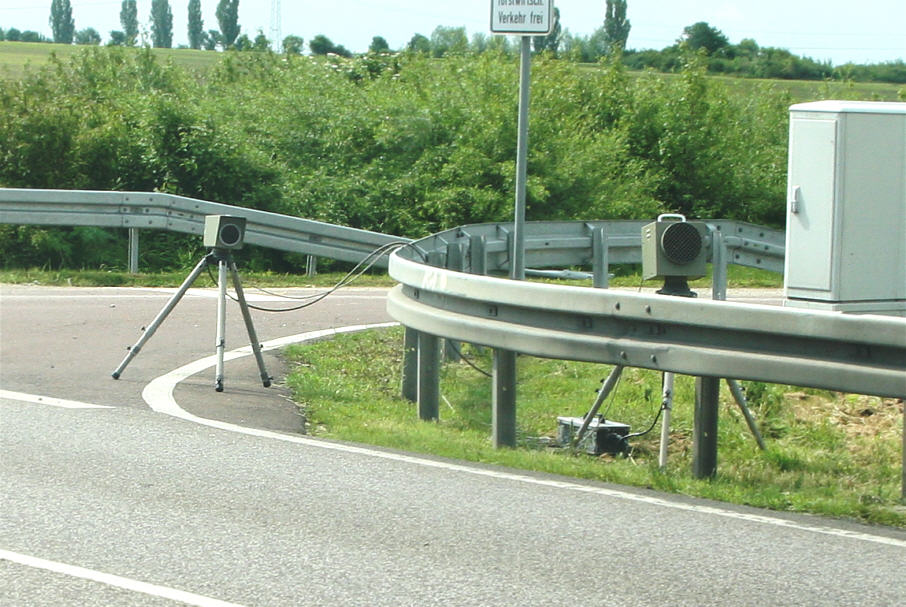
(196, 24)
(129, 21)
(61, 21)
(228, 18)
(161, 24)
(616, 25)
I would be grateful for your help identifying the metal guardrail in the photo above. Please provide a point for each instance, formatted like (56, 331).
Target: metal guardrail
(144, 210)
(706, 338)
(860, 354)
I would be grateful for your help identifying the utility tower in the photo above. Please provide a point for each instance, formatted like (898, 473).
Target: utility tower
(276, 33)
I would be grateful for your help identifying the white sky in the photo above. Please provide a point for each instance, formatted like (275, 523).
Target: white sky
(838, 30)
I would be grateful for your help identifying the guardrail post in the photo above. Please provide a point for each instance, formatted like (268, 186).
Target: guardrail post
(478, 255)
(311, 265)
(428, 376)
(599, 262)
(409, 389)
(133, 250)
(454, 262)
(903, 485)
(718, 265)
(503, 412)
(704, 431)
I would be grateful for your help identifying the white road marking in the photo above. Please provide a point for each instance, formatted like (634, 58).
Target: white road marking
(49, 400)
(108, 579)
(159, 396)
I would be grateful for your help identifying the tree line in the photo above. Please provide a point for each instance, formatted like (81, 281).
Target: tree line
(745, 59)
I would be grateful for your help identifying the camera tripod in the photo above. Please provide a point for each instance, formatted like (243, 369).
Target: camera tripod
(225, 263)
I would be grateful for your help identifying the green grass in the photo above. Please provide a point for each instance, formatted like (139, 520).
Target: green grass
(173, 278)
(628, 276)
(831, 454)
(16, 58)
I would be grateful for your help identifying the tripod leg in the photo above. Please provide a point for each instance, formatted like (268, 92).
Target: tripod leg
(609, 384)
(667, 405)
(221, 323)
(740, 398)
(161, 316)
(246, 315)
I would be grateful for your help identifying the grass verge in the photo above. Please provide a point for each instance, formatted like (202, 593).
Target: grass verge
(174, 278)
(828, 453)
(738, 277)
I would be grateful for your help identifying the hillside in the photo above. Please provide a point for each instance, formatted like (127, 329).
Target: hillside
(17, 57)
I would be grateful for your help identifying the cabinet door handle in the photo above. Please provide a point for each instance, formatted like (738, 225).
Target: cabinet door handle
(794, 200)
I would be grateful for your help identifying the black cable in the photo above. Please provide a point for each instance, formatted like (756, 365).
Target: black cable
(650, 428)
(467, 361)
(363, 266)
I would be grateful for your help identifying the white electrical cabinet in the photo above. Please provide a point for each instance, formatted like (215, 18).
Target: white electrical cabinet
(846, 207)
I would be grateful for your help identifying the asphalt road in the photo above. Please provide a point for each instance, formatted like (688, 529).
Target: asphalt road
(216, 499)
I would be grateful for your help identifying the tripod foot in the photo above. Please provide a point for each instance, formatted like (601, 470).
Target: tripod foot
(267, 382)
(115, 375)
(218, 385)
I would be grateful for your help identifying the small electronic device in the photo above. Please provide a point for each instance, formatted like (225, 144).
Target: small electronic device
(224, 231)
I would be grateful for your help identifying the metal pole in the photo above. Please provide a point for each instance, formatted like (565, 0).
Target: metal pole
(428, 377)
(740, 398)
(704, 431)
(452, 348)
(161, 316)
(718, 265)
(249, 327)
(667, 406)
(220, 344)
(503, 411)
(409, 387)
(517, 268)
(133, 250)
(600, 263)
(606, 388)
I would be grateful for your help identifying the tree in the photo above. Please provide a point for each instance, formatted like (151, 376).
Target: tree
(379, 45)
(88, 36)
(228, 18)
(13, 35)
(447, 40)
(702, 36)
(261, 43)
(616, 25)
(211, 39)
(61, 21)
(30, 36)
(551, 42)
(322, 45)
(419, 44)
(117, 38)
(293, 45)
(129, 21)
(161, 24)
(196, 24)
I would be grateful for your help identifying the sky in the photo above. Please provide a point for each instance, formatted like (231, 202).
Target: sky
(868, 31)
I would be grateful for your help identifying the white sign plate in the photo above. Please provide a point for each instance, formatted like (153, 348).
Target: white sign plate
(522, 16)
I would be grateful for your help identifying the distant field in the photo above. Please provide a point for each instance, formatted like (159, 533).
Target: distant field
(18, 57)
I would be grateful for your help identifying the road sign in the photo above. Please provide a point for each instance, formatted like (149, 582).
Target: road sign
(522, 16)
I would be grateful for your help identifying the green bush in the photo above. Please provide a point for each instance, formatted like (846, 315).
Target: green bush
(401, 144)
